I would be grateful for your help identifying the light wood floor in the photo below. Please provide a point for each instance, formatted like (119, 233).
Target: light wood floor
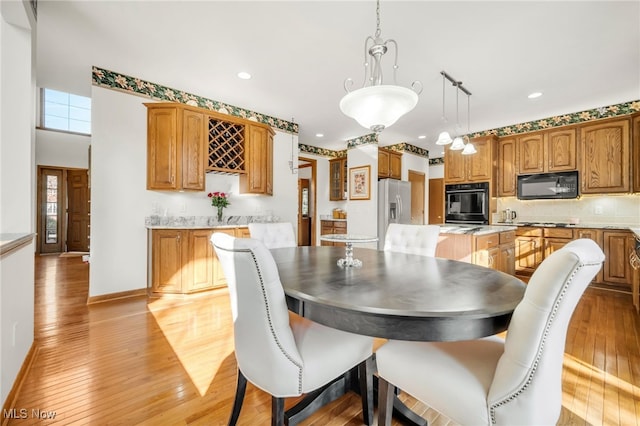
(170, 361)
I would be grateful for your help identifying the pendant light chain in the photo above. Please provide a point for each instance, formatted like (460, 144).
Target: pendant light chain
(378, 19)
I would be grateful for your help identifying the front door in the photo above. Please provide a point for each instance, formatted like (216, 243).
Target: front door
(77, 210)
(51, 196)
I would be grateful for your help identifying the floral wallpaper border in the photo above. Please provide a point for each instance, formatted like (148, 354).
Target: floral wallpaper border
(310, 149)
(363, 140)
(617, 110)
(113, 80)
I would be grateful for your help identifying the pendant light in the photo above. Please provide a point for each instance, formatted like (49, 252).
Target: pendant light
(443, 138)
(468, 148)
(458, 142)
(375, 105)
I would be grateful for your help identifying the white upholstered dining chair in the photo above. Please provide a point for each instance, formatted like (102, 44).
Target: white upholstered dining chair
(517, 381)
(284, 355)
(412, 239)
(274, 235)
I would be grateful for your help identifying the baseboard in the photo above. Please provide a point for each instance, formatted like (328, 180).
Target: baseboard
(116, 296)
(9, 403)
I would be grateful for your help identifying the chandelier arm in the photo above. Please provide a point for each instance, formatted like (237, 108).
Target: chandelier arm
(367, 77)
(395, 61)
(420, 86)
(348, 83)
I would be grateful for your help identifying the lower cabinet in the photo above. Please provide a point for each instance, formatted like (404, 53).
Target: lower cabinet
(184, 261)
(496, 250)
(332, 227)
(529, 250)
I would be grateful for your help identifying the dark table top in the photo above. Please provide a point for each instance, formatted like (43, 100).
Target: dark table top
(396, 295)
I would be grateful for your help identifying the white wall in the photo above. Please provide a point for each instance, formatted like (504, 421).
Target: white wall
(362, 216)
(17, 121)
(62, 149)
(120, 201)
(436, 171)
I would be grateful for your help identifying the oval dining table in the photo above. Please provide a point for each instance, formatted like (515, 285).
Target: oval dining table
(394, 296)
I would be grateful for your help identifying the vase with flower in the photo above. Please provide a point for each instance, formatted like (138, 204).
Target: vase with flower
(219, 200)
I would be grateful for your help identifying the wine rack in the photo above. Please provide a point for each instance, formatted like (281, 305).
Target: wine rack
(226, 147)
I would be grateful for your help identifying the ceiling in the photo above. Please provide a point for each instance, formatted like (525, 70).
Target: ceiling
(579, 54)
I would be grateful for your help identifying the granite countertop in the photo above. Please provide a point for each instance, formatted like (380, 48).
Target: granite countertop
(628, 227)
(204, 222)
(11, 241)
(449, 228)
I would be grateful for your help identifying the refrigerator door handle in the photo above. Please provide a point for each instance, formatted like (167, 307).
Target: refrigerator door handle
(399, 204)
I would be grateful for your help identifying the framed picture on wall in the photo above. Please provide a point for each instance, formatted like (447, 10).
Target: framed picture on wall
(360, 183)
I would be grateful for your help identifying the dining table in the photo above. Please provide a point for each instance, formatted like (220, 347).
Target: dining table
(397, 295)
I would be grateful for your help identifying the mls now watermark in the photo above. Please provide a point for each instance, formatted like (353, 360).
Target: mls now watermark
(24, 413)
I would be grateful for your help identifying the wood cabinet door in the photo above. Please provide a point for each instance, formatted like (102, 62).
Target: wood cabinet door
(595, 235)
(162, 148)
(553, 244)
(193, 150)
(528, 253)
(605, 154)
(336, 191)
(383, 163)
(561, 150)
(218, 274)
(636, 154)
(616, 267)
(480, 165)
(395, 165)
(487, 257)
(454, 166)
(258, 178)
(166, 260)
(507, 258)
(507, 168)
(200, 260)
(531, 153)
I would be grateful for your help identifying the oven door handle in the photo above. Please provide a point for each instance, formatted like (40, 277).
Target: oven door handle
(459, 191)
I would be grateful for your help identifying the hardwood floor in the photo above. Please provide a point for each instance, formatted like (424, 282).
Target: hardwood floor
(170, 361)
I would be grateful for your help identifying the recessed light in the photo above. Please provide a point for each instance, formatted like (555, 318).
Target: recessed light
(319, 135)
(442, 153)
(534, 95)
(244, 75)
(422, 137)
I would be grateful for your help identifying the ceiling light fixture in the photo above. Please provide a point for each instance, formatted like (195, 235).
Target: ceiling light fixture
(444, 138)
(375, 105)
(319, 135)
(534, 95)
(468, 148)
(459, 142)
(244, 75)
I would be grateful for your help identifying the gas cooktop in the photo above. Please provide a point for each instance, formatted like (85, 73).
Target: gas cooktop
(548, 224)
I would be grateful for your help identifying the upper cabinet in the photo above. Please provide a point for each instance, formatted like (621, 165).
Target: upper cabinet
(338, 179)
(175, 148)
(389, 164)
(549, 151)
(636, 153)
(605, 155)
(258, 178)
(476, 167)
(184, 142)
(507, 167)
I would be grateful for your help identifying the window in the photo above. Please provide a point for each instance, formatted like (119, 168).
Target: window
(66, 112)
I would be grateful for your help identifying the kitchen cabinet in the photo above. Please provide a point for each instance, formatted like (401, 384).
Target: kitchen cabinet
(478, 167)
(617, 246)
(258, 178)
(496, 251)
(605, 157)
(184, 261)
(507, 167)
(595, 235)
(549, 151)
(555, 239)
(176, 154)
(332, 227)
(529, 249)
(389, 164)
(338, 179)
(507, 255)
(636, 153)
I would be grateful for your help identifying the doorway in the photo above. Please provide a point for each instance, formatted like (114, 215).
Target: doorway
(307, 201)
(417, 197)
(436, 201)
(63, 210)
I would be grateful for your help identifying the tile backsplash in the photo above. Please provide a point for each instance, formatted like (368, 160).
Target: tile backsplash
(608, 209)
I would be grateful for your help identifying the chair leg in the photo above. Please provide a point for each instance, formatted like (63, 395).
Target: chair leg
(386, 395)
(241, 387)
(277, 411)
(365, 375)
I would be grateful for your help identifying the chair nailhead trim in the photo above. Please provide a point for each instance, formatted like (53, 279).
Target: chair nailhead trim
(529, 379)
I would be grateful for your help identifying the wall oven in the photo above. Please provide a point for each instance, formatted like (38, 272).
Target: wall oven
(467, 203)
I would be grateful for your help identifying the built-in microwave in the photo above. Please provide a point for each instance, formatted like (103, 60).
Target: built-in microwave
(548, 186)
(467, 203)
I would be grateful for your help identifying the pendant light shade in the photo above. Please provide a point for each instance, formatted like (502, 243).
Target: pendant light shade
(375, 105)
(444, 139)
(378, 107)
(458, 144)
(469, 149)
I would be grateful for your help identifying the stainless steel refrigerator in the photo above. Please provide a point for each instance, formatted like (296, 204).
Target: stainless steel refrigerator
(394, 205)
